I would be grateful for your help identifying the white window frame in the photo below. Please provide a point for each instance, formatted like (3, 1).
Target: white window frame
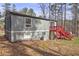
(28, 24)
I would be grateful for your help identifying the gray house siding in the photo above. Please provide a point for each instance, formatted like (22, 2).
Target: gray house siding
(26, 28)
(20, 32)
(17, 28)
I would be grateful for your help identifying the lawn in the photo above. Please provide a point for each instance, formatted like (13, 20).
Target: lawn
(39, 47)
(71, 42)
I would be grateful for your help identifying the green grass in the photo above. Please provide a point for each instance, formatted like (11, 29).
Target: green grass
(76, 41)
(70, 42)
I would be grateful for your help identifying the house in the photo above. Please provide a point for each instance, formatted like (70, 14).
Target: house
(24, 27)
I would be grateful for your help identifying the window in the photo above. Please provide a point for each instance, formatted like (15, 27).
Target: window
(28, 22)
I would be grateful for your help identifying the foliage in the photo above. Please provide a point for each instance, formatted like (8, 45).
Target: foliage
(6, 6)
(31, 12)
(24, 10)
(13, 7)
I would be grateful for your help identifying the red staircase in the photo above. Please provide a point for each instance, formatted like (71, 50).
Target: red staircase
(60, 32)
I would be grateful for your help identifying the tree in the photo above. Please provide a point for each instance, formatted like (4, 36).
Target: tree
(6, 6)
(75, 18)
(44, 9)
(13, 7)
(24, 10)
(31, 12)
(57, 12)
(75, 12)
(27, 11)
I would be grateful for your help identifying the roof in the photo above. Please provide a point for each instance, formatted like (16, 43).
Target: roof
(19, 14)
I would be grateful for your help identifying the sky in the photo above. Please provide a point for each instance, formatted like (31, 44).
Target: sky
(34, 6)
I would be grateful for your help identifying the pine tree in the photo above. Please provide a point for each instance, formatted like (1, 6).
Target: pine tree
(13, 7)
(6, 6)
